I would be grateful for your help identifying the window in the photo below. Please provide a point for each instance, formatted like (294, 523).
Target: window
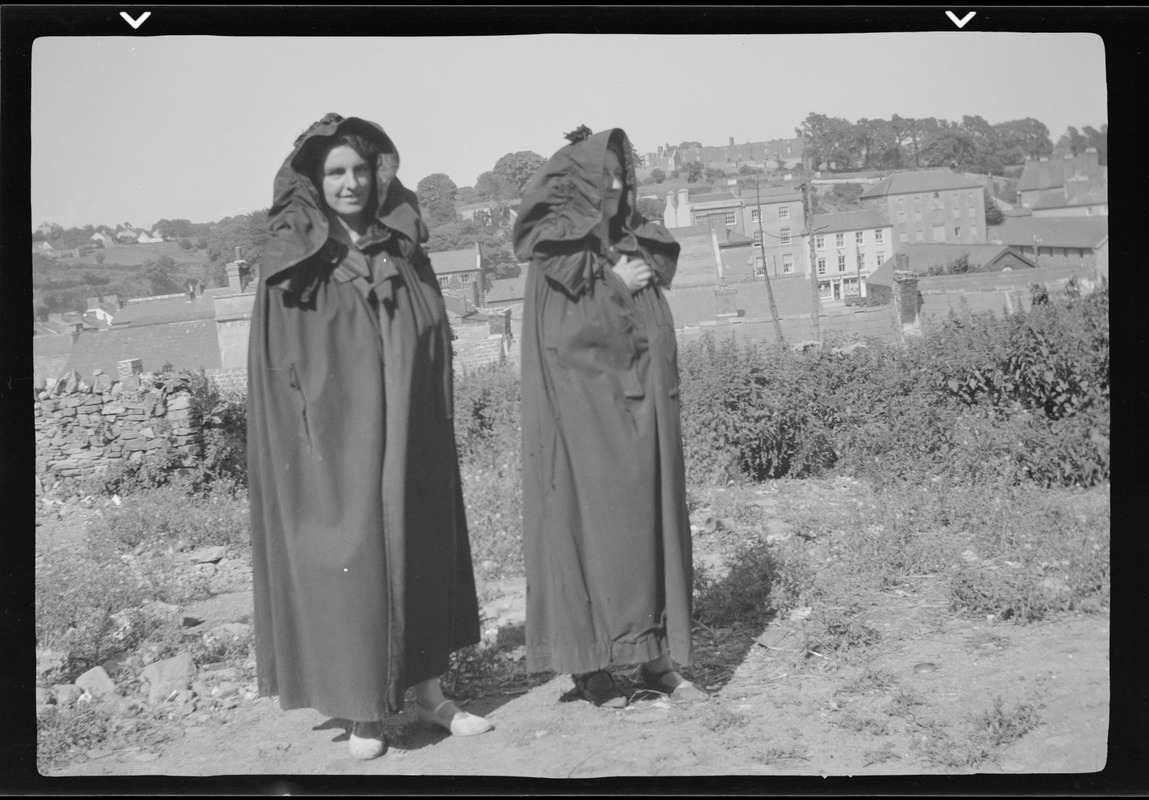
(937, 201)
(755, 214)
(821, 266)
(881, 258)
(819, 242)
(939, 233)
(859, 238)
(901, 202)
(878, 236)
(784, 238)
(972, 211)
(839, 240)
(917, 216)
(969, 199)
(731, 218)
(973, 232)
(1089, 211)
(919, 236)
(841, 263)
(901, 216)
(759, 267)
(903, 237)
(783, 212)
(757, 238)
(466, 278)
(957, 213)
(787, 263)
(443, 281)
(918, 202)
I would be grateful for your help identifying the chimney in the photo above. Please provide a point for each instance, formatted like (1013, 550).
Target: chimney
(660, 151)
(1091, 158)
(731, 141)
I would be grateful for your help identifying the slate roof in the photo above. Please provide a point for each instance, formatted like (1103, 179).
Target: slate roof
(925, 255)
(452, 261)
(931, 180)
(1087, 195)
(1081, 232)
(865, 219)
(169, 308)
(188, 344)
(1051, 174)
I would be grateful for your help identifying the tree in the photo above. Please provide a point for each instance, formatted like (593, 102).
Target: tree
(693, 171)
(1073, 141)
(658, 175)
(828, 140)
(1020, 138)
(1098, 139)
(713, 174)
(100, 258)
(651, 209)
(993, 215)
(516, 169)
(437, 198)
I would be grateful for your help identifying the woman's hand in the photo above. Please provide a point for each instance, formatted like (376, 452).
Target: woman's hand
(635, 273)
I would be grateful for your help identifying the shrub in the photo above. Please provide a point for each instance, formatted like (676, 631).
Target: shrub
(163, 516)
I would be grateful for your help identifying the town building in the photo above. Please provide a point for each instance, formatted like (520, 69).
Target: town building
(460, 273)
(1068, 186)
(937, 205)
(848, 246)
(1058, 241)
(769, 216)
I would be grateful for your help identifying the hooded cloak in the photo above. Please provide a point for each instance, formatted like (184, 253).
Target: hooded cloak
(361, 562)
(605, 528)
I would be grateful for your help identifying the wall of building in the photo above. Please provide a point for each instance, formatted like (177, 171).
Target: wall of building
(903, 212)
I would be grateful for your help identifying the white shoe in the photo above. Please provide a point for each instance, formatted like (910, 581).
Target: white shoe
(371, 744)
(448, 715)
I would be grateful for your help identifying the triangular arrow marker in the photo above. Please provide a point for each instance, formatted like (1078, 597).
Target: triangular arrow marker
(959, 22)
(136, 23)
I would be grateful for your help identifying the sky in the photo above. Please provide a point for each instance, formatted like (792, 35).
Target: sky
(138, 129)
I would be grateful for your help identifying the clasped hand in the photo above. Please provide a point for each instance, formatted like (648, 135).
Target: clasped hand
(635, 273)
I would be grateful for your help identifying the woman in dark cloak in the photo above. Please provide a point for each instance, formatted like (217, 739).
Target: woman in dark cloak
(605, 527)
(362, 566)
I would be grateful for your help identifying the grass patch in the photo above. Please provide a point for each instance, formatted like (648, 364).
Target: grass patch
(981, 737)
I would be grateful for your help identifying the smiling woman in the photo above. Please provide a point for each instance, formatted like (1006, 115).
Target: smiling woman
(363, 582)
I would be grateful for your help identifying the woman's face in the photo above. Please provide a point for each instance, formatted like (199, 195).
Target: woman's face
(614, 183)
(347, 181)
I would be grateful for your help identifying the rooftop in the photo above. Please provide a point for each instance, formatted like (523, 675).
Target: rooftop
(187, 344)
(1081, 232)
(865, 219)
(449, 261)
(925, 255)
(931, 180)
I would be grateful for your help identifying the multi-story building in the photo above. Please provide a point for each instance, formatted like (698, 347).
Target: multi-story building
(848, 246)
(936, 205)
(771, 217)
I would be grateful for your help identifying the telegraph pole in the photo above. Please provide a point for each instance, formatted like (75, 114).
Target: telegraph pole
(765, 269)
(808, 219)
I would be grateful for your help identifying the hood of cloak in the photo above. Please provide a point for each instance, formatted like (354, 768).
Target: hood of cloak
(298, 221)
(561, 215)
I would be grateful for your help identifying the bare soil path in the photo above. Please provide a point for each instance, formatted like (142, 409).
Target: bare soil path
(935, 694)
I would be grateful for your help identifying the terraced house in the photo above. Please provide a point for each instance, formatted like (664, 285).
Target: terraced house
(848, 247)
(770, 217)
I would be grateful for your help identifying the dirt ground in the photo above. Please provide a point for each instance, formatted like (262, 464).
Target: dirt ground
(904, 707)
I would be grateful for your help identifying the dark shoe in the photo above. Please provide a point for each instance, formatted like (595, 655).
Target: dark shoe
(671, 684)
(599, 688)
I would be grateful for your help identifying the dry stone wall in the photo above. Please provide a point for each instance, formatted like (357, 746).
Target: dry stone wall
(84, 427)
